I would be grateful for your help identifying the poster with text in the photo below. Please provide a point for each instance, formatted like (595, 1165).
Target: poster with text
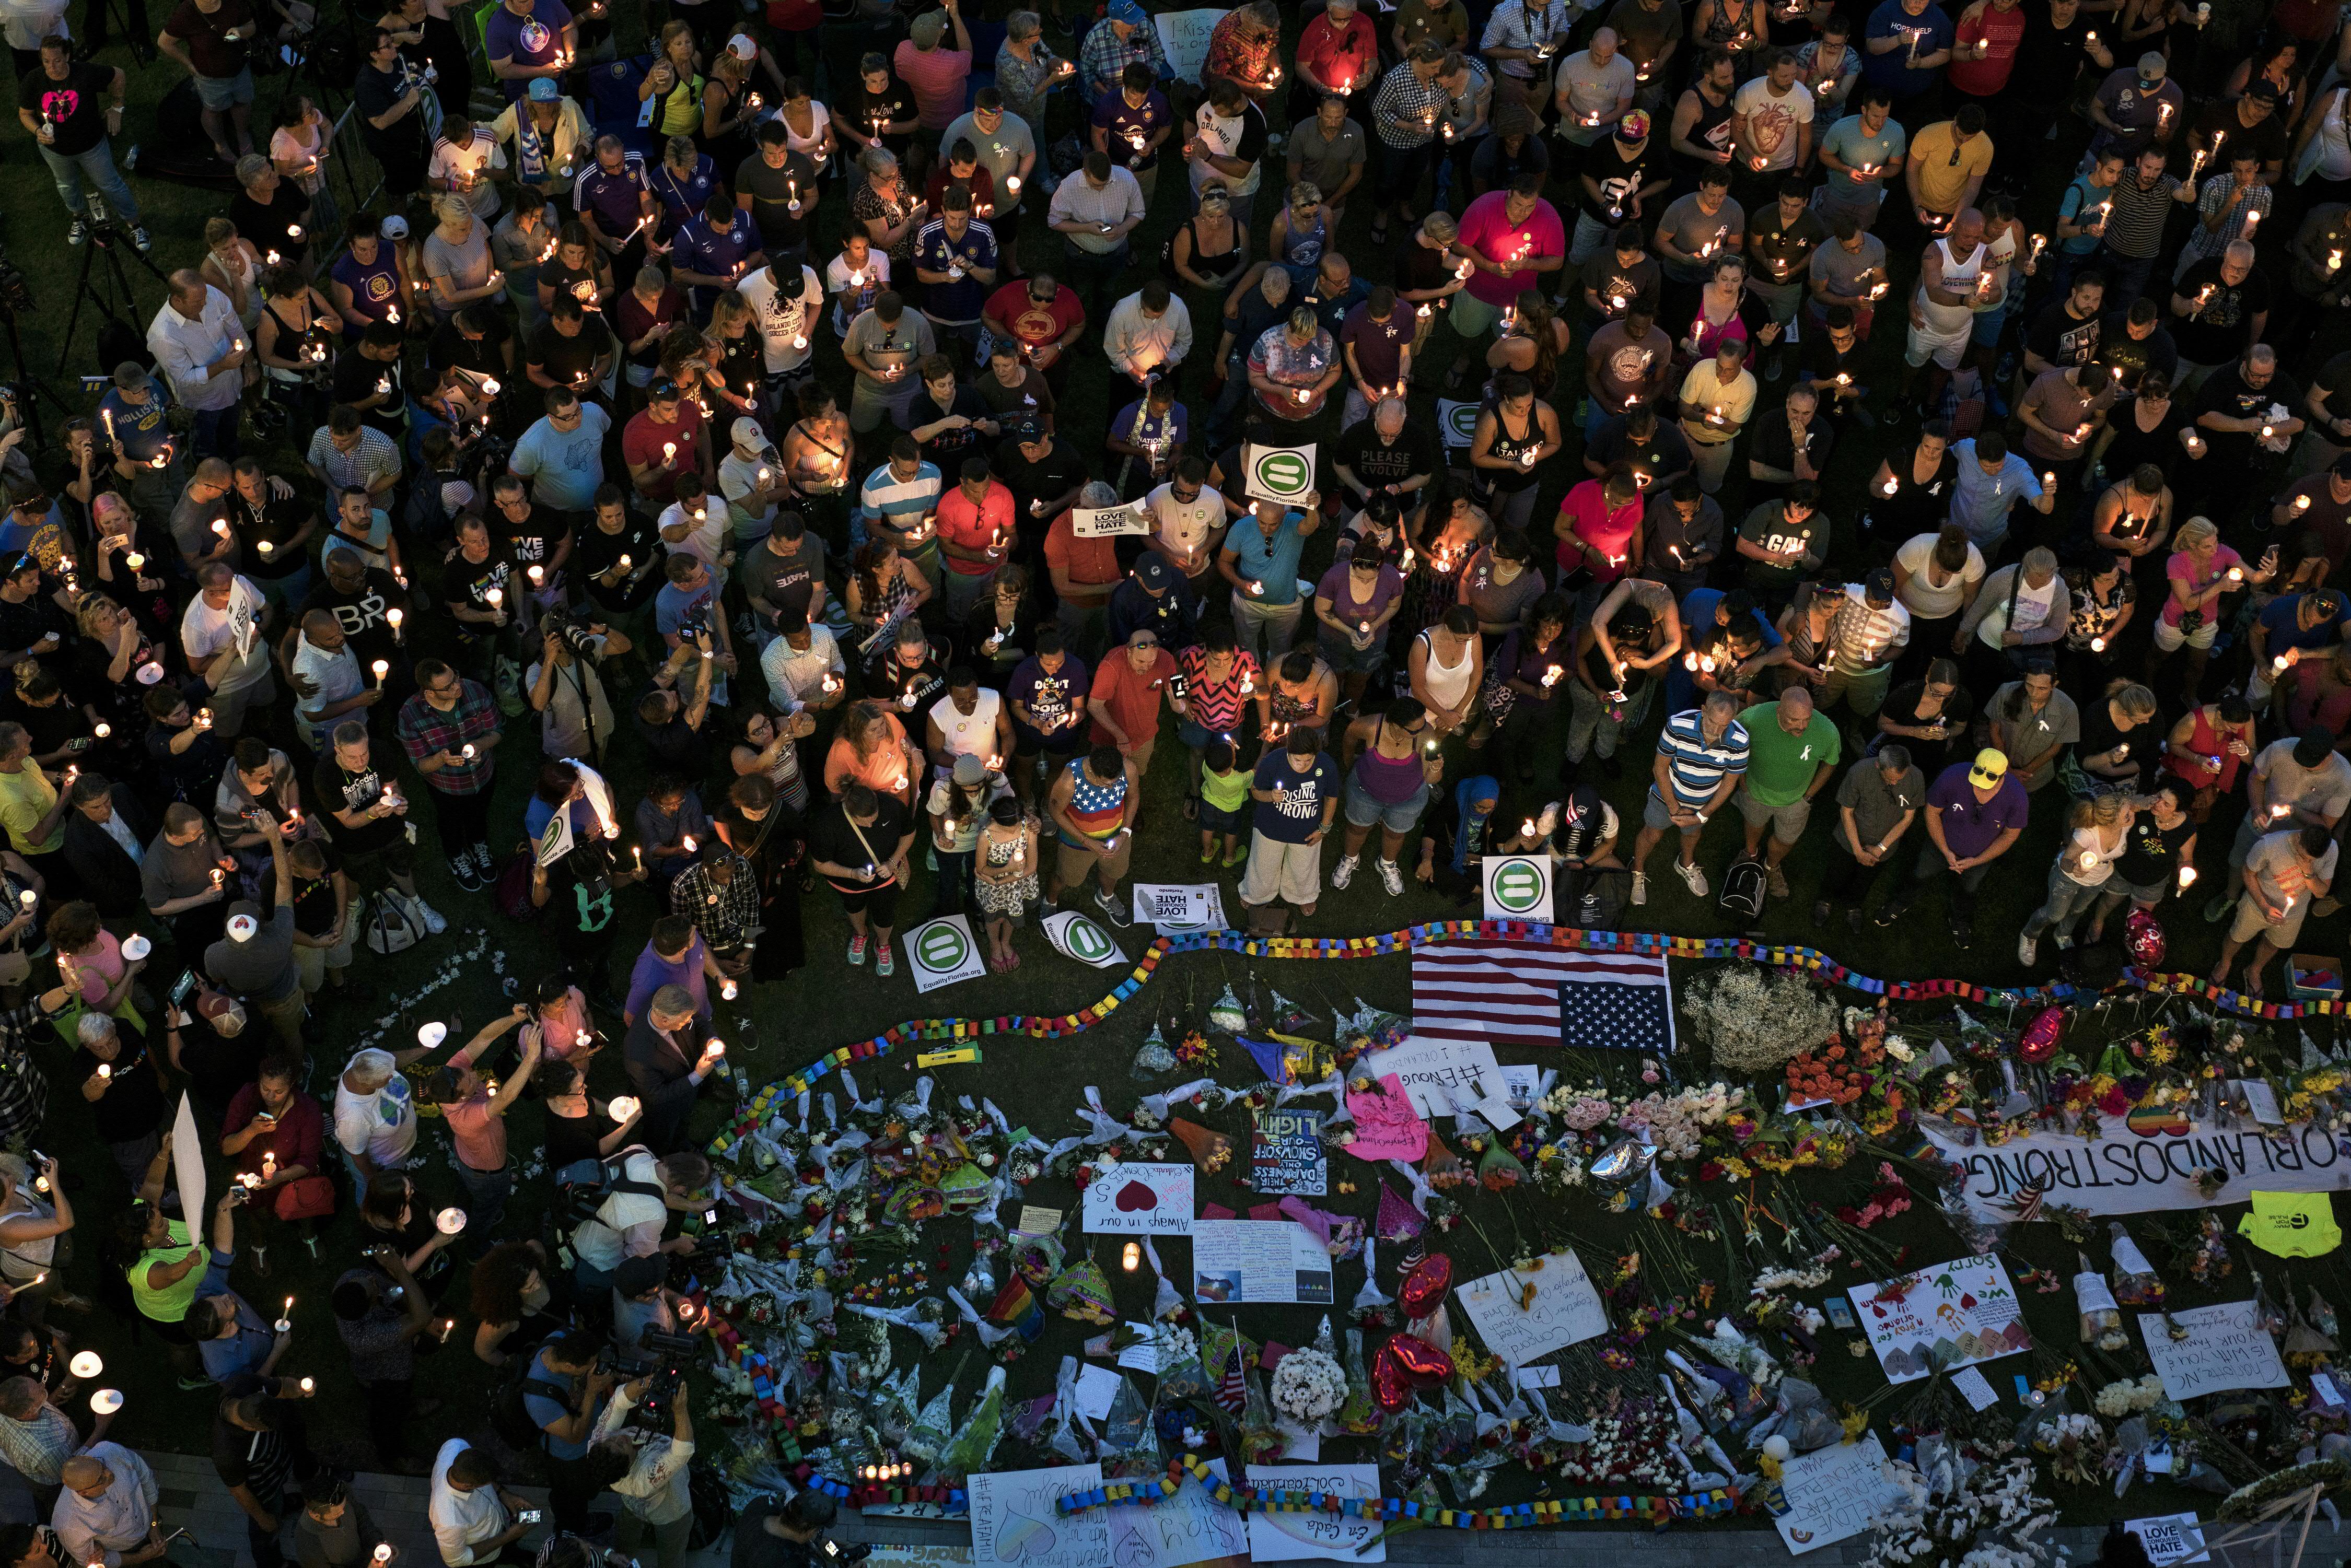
(1834, 1494)
(1184, 35)
(1292, 1537)
(1015, 1523)
(1524, 1314)
(1187, 1529)
(2223, 1347)
(2169, 1538)
(2142, 1163)
(1953, 1314)
(1437, 1073)
(1135, 1198)
(1283, 473)
(1286, 1156)
(1258, 1260)
(943, 952)
(1518, 887)
(1172, 908)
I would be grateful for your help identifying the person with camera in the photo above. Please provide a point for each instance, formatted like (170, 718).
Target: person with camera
(564, 686)
(380, 1312)
(564, 1391)
(647, 1468)
(772, 1535)
(628, 1221)
(476, 1521)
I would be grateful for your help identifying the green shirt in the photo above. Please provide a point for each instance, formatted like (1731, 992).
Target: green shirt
(169, 1305)
(1779, 765)
(1226, 792)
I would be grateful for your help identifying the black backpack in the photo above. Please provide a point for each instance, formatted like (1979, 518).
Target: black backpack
(1743, 888)
(509, 1417)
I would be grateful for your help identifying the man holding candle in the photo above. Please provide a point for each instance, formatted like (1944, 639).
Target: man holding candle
(2221, 303)
(449, 732)
(327, 679)
(1716, 399)
(275, 1132)
(670, 1053)
(2285, 874)
(2247, 414)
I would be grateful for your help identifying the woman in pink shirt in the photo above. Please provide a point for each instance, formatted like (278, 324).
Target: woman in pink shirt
(2201, 572)
(90, 960)
(1599, 528)
(560, 1022)
(934, 75)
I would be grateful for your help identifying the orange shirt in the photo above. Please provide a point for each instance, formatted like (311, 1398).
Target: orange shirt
(1089, 562)
(885, 770)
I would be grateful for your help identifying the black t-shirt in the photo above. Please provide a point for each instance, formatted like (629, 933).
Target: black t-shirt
(2131, 358)
(1824, 361)
(2132, 445)
(75, 108)
(1416, 267)
(314, 896)
(1050, 479)
(484, 356)
(2049, 59)
(2225, 392)
(356, 376)
(2062, 339)
(336, 789)
(275, 521)
(580, 887)
(1496, 166)
(375, 94)
(948, 448)
(364, 613)
(1932, 756)
(132, 1105)
(1638, 283)
(471, 582)
(270, 226)
(867, 109)
(1665, 450)
(2220, 331)
(568, 1140)
(1376, 463)
(832, 837)
(22, 625)
(1789, 248)
(2333, 386)
(894, 682)
(596, 552)
(2150, 854)
(218, 1068)
(1618, 177)
(2268, 139)
(771, 190)
(531, 540)
(566, 359)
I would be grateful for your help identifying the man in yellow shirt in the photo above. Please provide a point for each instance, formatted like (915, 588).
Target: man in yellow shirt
(1948, 163)
(32, 808)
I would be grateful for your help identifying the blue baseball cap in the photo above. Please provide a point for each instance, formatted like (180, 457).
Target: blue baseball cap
(544, 90)
(1128, 12)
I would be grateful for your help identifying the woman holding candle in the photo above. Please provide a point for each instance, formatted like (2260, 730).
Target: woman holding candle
(91, 965)
(274, 1134)
(1911, 491)
(2097, 833)
(1529, 671)
(2116, 750)
(2207, 747)
(1515, 433)
(392, 1214)
(2201, 573)
(2104, 601)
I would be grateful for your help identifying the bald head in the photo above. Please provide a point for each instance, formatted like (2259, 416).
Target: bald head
(1795, 710)
(82, 1474)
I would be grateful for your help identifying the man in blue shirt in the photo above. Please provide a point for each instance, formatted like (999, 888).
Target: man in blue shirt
(956, 259)
(564, 1392)
(1990, 480)
(612, 198)
(1909, 43)
(2290, 628)
(1260, 562)
(528, 38)
(713, 249)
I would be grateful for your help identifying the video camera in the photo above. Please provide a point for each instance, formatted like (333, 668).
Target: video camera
(663, 1370)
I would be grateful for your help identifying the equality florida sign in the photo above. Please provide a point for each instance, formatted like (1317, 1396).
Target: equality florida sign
(2141, 1163)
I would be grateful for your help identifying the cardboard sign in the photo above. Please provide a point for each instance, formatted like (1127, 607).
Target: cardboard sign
(1137, 1199)
(1236, 1260)
(1173, 908)
(1436, 1073)
(1953, 1314)
(1184, 35)
(1287, 1154)
(1073, 935)
(1283, 473)
(1834, 1494)
(2143, 1163)
(1523, 1315)
(2225, 1349)
(1037, 1221)
(942, 952)
(2169, 1538)
(1518, 887)
(1104, 522)
(1294, 1537)
(1386, 1125)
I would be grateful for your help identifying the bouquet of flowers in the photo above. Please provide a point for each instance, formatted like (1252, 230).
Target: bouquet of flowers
(2129, 1396)
(1754, 1021)
(1309, 1387)
(1956, 1513)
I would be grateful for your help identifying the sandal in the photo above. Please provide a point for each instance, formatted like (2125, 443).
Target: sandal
(1209, 854)
(1235, 858)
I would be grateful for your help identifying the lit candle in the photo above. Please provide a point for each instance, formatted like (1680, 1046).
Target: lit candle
(382, 668)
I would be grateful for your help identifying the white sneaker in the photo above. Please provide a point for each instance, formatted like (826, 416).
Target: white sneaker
(434, 923)
(1345, 872)
(1391, 878)
(2027, 950)
(1693, 877)
(1640, 887)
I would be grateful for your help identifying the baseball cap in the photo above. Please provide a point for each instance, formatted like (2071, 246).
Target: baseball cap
(1879, 585)
(635, 1275)
(664, 391)
(2152, 65)
(1633, 126)
(969, 769)
(241, 927)
(2312, 746)
(393, 227)
(225, 1013)
(747, 431)
(1151, 572)
(2263, 90)
(740, 46)
(1025, 431)
(1126, 11)
(928, 29)
(544, 90)
(1990, 767)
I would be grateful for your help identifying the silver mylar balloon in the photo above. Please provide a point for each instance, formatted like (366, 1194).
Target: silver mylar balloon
(1622, 1163)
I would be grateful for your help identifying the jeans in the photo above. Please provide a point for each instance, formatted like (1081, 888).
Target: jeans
(2127, 276)
(1597, 726)
(2068, 900)
(952, 888)
(669, 1540)
(1277, 623)
(485, 1200)
(213, 434)
(67, 169)
(1932, 868)
(464, 820)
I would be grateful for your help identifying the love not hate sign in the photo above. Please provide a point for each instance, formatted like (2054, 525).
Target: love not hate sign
(2142, 1163)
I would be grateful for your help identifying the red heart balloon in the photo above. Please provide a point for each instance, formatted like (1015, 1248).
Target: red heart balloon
(1390, 1386)
(1423, 1289)
(2143, 936)
(2039, 1043)
(1423, 1363)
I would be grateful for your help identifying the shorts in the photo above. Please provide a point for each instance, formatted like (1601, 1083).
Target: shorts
(2168, 636)
(1657, 815)
(1781, 298)
(1066, 741)
(1347, 659)
(222, 93)
(1362, 810)
(879, 904)
(1218, 819)
(1196, 736)
(2251, 922)
(2149, 895)
(1787, 822)
(1944, 347)
(1073, 863)
(1989, 325)
(371, 869)
(1472, 317)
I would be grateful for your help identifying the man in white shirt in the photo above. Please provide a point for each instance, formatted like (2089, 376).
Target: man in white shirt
(752, 480)
(1148, 333)
(375, 1113)
(629, 1221)
(200, 344)
(799, 660)
(220, 632)
(786, 322)
(327, 682)
(648, 1470)
(106, 1514)
(1094, 211)
(475, 1519)
(1188, 519)
(469, 162)
(969, 721)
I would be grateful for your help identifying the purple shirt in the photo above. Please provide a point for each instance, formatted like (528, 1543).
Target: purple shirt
(1049, 698)
(1341, 592)
(1379, 345)
(531, 40)
(653, 971)
(1971, 826)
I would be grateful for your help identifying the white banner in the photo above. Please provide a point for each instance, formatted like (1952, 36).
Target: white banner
(1095, 523)
(1170, 907)
(1518, 887)
(1290, 1537)
(2144, 1163)
(1073, 935)
(943, 952)
(1525, 1315)
(2169, 1538)
(1284, 474)
(188, 1169)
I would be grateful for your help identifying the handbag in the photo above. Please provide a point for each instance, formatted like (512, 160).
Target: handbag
(390, 927)
(306, 1197)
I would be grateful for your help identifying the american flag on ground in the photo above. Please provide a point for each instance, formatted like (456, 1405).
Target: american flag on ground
(1232, 1387)
(1524, 993)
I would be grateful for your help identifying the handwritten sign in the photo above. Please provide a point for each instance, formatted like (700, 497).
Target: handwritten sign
(1287, 1157)
(1258, 1260)
(1139, 1199)
(2225, 1348)
(1436, 1073)
(1184, 36)
(1171, 907)
(1102, 522)
(1524, 1314)
(1015, 1524)
(1294, 1537)
(1834, 1494)
(936, 1554)
(1387, 1127)
(2143, 1163)
(1953, 1314)
(1189, 1528)
(2169, 1538)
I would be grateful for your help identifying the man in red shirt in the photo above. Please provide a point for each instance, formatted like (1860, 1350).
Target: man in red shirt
(1338, 52)
(1083, 571)
(1990, 32)
(1042, 317)
(1125, 701)
(974, 535)
(936, 75)
(664, 440)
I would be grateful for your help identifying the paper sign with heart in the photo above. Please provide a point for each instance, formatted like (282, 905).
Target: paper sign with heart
(1386, 1126)
(1139, 1199)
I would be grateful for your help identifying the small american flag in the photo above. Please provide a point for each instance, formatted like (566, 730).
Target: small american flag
(1232, 1386)
(1529, 994)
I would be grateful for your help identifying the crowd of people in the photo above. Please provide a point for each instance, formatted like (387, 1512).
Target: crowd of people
(848, 456)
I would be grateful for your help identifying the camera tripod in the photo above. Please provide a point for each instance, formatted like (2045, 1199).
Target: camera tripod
(109, 238)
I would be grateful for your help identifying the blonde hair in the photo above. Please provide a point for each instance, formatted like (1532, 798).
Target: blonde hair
(1306, 193)
(13, 1169)
(2105, 812)
(450, 207)
(2136, 702)
(2195, 530)
(217, 230)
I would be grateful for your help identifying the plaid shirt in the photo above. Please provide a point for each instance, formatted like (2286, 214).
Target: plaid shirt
(725, 916)
(2221, 198)
(424, 729)
(1105, 55)
(1406, 109)
(36, 1449)
(375, 457)
(24, 1091)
